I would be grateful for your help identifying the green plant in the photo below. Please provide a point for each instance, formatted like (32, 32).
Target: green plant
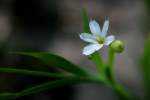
(76, 74)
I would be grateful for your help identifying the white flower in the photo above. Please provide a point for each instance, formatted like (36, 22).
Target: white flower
(97, 39)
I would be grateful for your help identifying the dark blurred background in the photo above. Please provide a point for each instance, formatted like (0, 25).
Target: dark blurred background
(54, 26)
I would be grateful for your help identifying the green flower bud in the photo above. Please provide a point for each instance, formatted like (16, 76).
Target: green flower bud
(117, 46)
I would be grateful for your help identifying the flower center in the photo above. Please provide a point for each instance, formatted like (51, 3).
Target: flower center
(100, 40)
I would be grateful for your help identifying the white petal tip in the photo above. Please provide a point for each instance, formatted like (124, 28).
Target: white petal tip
(94, 27)
(109, 40)
(88, 50)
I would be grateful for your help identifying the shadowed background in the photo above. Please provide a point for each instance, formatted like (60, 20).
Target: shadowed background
(54, 26)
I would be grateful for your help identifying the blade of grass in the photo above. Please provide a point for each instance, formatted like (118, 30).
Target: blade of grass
(55, 61)
(33, 73)
(7, 96)
(48, 85)
(146, 68)
(85, 21)
(53, 84)
(40, 88)
(147, 4)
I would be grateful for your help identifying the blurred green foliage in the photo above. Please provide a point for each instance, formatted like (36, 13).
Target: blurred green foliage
(146, 68)
(147, 3)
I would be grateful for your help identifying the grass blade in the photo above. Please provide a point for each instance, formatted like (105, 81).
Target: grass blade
(33, 73)
(56, 61)
(85, 19)
(7, 96)
(47, 86)
(146, 68)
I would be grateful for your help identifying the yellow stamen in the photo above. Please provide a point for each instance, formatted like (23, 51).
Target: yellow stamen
(99, 40)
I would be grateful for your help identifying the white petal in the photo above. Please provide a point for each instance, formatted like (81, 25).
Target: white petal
(94, 27)
(91, 48)
(109, 39)
(105, 29)
(88, 37)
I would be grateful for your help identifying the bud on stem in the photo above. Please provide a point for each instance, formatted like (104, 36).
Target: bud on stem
(117, 46)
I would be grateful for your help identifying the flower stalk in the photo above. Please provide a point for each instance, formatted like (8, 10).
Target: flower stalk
(96, 58)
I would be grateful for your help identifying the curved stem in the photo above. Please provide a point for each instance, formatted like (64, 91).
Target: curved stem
(117, 87)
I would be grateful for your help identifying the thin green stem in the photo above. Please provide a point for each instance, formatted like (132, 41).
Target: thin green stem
(111, 59)
(109, 77)
(110, 68)
(116, 86)
(96, 58)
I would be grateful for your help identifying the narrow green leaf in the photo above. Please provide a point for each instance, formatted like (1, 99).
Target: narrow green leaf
(47, 86)
(146, 67)
(147, 4)
(7, 96)
(55, 61)
(85, 21)
(90, 77)
(41, 88)
(33, 73)
(51, 84)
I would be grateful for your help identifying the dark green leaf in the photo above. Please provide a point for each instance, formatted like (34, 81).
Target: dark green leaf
(55, 61)
(33, 73)
(47, 86)
(146, 67)
(146, 56)
(85, 19)
(51, 85)
(7, 96)
(147, 4)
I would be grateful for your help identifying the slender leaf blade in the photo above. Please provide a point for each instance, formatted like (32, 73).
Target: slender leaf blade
(55, 61)
(47, 86)
(33, 73)
(7, 96)
(85, 19)
(146, 67)
(147, 4)
(40, 88)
